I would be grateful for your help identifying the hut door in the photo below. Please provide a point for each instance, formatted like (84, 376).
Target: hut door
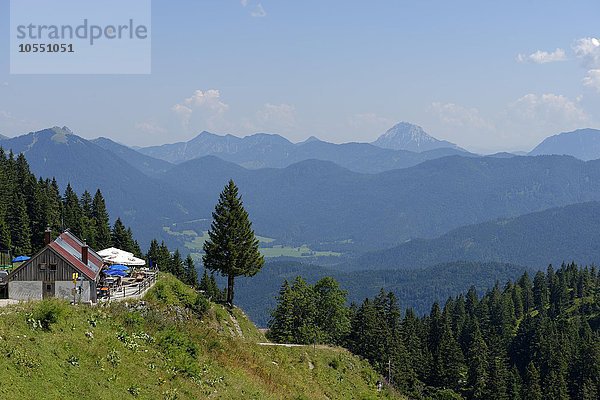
(48, 290)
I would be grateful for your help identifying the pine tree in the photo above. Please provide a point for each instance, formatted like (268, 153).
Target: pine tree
(164, 258)
(101, 218)
(88, 223)
(451, 369)
(281, 324)
(498, 378)
(532, 389)
(514, 384)
(540, 292)
(190, 273)
(177, 268)
(5, 236)
(527, 292)
(208, 284)
(232, 248)
(478, 361)
(72, 214)
(119, 236)
(18, 221)
(152, 255)
(332, 314)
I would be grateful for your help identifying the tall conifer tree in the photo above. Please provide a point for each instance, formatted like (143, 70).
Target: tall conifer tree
(232, 248)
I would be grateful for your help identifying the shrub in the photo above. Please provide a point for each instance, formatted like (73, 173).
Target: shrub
(49, 312)
(133, 319)
(181, 351)
(201, 305)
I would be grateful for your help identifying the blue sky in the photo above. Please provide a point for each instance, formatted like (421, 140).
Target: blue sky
(488, 76)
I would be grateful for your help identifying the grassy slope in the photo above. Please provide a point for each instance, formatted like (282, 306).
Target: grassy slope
(162, 350)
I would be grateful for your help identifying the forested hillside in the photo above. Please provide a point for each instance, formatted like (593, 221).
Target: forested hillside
(29, 205)
(551, 236)
(417, 289)
(527, 339)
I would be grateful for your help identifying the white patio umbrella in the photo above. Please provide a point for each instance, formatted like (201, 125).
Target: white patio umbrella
(113, 255)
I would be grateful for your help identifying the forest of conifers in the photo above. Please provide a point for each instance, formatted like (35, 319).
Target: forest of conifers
(530, 339)
(29, 205)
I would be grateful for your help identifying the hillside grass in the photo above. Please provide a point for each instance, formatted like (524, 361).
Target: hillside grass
(172, 345)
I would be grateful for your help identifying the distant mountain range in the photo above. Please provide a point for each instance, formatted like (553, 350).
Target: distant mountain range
(145, 203)
(263, 150)
(148, 165)
(554, 236)
(2, 137)
(406, 136)
(313, 202)
(316, 201)
(583, 144)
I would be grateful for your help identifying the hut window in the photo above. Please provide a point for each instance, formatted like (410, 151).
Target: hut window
(53, 267)
(42, 265)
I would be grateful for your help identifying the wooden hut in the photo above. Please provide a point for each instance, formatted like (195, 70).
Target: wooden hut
(50, 272)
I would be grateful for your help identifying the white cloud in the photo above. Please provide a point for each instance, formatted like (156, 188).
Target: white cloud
(276, 116)
(4, 84)
(210, 99)
(258, 11)
(458, 116)
(208, 107)
(150, 127)
(593, 79)
(519, 125)
(547, 113)
(9, 123)
(543, 57)
(184, 113)
(588, 51)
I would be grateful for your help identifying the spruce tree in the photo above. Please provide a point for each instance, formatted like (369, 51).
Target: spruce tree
(119, 236)
(232, 248)
(208, 284)
(532, 389)
(164, 258)
(88, 223)
(190, 273)
(152, 255)
(281, 325)
(177, 268)
(101, 218)
(72, 214)
(18, 221)
(331, 312)
(478, 361)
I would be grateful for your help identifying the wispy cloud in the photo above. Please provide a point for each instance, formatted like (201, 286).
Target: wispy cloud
(593, 79)
(277, 116)
(460, 116)
(258, 11)
(543, 57)
(548, 111)
(150, 127)
(587, 51)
